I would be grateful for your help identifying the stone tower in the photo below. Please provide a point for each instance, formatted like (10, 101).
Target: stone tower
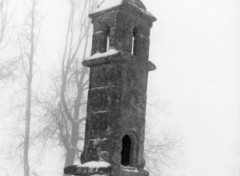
(116, 107)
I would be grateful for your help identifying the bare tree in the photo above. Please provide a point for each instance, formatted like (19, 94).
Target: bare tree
(65, 108)
(4, 19)
(161, 153)
(28, 44)
(73, 81)
(7, 67)
(162, 150)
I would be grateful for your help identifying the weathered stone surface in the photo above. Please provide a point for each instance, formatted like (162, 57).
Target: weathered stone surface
(122, 24)
(116, 108)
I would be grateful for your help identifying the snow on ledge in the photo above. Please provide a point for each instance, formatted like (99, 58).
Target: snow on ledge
(108, 4)
(96, 164)
(108, 53)
(129, 169)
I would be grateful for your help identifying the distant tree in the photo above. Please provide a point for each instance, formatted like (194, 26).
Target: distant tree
(28, 40)
(65, 107)
(4, 20)
(6, 67)
(161, 151)
(23, 66)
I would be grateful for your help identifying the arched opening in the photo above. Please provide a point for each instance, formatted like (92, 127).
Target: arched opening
(134, 41)
(108, 43)
(127, 151)
(107, 38)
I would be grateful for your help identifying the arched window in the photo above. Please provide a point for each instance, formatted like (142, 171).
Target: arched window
(134, 41)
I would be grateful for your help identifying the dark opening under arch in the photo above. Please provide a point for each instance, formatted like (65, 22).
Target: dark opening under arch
(126, 151)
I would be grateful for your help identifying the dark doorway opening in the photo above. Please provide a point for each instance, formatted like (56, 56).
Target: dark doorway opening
(126, 151)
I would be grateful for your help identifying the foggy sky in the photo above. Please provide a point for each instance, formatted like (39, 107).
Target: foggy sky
(196, 47)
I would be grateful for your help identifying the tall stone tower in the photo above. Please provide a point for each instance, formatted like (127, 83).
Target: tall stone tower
(116, 108)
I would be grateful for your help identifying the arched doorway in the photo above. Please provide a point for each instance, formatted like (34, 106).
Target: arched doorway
(128, 151)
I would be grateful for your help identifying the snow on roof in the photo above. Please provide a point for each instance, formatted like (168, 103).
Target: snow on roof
(96, 164)
(107, 4)
(108, 53)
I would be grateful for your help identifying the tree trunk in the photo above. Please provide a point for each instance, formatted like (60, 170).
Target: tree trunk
(71, 152)
(70, 157)
(29, 77)
(27, 127)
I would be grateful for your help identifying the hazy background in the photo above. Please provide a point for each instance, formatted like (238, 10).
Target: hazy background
(195, 89)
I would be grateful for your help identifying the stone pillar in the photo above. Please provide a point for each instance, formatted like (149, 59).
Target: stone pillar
(116, 107)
